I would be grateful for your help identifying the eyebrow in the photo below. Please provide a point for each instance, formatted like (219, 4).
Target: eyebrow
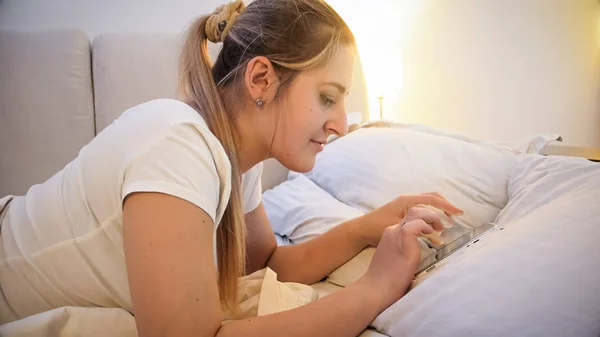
(339, 87)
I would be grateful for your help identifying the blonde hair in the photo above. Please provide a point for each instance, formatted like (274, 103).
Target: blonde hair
(294, 35)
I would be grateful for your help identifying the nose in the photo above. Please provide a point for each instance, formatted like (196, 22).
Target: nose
(337, 123)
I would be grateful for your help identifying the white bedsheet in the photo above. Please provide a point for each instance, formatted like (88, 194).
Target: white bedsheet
(259, 294)
(539, 276)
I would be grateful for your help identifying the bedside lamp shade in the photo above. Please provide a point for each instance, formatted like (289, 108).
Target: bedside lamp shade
(380, 27)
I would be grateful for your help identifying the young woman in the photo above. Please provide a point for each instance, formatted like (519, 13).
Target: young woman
(152, 215)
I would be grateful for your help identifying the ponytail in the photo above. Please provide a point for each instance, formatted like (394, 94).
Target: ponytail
(201, 93)
(269, 28)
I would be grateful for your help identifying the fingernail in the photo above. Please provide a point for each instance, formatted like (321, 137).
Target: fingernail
(447, 223)
(435, 238)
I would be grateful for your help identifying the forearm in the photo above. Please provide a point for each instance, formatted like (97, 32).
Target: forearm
(311, 261)
(344, 313)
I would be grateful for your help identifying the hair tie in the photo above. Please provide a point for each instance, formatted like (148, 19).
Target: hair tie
(219, 23)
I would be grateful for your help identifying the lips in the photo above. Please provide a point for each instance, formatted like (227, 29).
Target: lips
(319, 144)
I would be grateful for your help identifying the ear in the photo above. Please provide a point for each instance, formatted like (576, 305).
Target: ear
(260, 79)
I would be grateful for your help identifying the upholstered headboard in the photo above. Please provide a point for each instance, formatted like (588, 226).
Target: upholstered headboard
(46, 105)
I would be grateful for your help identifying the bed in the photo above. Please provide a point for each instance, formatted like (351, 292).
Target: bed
(540, 276)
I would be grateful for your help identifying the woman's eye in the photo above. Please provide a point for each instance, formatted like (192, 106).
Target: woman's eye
(326, 101)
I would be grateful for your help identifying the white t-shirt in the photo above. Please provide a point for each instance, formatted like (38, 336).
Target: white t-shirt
(62, 245)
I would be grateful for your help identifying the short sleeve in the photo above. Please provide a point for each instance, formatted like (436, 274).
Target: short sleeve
(252, 188)
(185, 163)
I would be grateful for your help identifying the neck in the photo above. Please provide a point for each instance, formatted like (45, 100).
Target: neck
(252, 149)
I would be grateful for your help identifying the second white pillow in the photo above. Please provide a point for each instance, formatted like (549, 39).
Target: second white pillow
(372, 166)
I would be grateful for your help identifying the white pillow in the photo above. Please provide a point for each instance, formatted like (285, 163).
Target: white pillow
(539, 276)
(370, 167)
(529, 144)
(538, 180)
(299, 210)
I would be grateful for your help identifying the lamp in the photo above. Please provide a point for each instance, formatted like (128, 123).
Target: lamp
(379, 27)
(381, 61)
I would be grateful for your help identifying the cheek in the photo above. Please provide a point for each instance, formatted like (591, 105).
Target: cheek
(294, 132)
(292, 146)
(302, 121)
(301, 118)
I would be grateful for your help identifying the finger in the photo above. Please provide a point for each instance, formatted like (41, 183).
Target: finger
(437, 202)
(392, 233)
(408, 238)
(435, 238)
(417, 227)
(430, 215)
(420, 228)
(445, 219)
(435, 194)
(440, 196)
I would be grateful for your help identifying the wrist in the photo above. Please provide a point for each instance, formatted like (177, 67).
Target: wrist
(356, 231)
(374, 291)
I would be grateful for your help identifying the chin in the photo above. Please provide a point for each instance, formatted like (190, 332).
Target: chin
(299, 164)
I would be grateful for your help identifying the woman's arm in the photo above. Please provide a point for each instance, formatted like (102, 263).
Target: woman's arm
(168, 246)
(346, 312)
(311, 261)
(307, 262)
(172, 278)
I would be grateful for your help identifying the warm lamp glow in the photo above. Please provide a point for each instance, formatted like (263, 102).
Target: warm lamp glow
(380, 27)
(598, 28)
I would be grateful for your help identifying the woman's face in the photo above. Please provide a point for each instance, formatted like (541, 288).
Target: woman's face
(311, 109)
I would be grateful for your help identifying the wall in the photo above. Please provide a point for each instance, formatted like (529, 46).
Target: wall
(505, 69)
(493, 69)
(101, 16)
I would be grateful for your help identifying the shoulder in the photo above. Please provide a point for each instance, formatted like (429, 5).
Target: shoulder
(175, 123)
(142, 126)
(163, 112)
(160, 132)
(171, 150)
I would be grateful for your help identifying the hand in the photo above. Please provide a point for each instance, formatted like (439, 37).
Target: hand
(395, 261)
(433, 208)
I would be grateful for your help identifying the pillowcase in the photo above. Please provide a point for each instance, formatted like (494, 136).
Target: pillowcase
(536, 277)
(533, 143)
(299, 210)
(372, 166)
(539, 180)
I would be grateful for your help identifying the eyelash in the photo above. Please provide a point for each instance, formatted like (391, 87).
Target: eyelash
(327, 101)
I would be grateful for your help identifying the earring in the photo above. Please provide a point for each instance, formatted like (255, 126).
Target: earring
(259, 102)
